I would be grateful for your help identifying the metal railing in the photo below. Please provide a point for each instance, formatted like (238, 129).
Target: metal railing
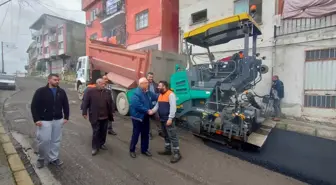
(114, 8)
(291, 26)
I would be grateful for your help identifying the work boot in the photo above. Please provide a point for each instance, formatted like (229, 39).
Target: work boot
(132, 154)
(165, 152)
(57, 162)
(40, 164)
(103, 147)
(111, 132)
(176, 157)
(94, 152)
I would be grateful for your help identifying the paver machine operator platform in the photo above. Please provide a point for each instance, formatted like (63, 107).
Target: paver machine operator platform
(213, 98)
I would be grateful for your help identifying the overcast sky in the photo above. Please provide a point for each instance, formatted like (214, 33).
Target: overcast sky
(15, 29)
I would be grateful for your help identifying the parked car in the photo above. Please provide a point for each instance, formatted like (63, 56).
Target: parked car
(7, 82)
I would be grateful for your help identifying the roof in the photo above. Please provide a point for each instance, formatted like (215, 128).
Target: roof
(44, 16)
(221, 31)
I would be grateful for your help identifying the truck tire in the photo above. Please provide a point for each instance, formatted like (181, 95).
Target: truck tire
(80, 91)
(122, 104)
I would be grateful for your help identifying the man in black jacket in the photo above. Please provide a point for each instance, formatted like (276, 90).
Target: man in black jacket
(98, 103)
(50, 110)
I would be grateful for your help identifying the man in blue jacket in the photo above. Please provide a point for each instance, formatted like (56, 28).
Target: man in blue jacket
(141, 105)
(277, 93)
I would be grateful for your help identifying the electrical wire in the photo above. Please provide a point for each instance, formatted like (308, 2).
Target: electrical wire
(51, 6)
(18, 22)
(3, 20)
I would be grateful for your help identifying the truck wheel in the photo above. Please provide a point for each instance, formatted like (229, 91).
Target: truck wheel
(122, 104)
(80, 91)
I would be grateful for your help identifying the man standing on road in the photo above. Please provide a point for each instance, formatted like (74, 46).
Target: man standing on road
(141, 104)
(50, 110)
(99, 103)
(277, 92)
(153, 88)
(109, 127)
(166, 107)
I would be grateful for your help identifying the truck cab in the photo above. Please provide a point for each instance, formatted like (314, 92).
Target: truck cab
(82, 75)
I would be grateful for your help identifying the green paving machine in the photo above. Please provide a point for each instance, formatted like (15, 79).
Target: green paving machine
(215, 99)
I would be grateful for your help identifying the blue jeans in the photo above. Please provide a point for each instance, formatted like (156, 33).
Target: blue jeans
(140, 128)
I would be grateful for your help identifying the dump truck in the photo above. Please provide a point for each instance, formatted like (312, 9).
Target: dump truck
(123, 68)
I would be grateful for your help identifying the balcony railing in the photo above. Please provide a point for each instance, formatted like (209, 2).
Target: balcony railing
(113, 8)
(290, 26)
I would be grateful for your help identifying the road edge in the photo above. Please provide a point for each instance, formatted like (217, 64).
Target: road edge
(20, 174)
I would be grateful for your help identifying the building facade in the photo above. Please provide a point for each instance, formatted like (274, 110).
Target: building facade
(59, 42)
(135, 24)
(300, 51)
(32, 57)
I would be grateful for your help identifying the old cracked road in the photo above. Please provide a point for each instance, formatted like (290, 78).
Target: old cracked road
(201, 164)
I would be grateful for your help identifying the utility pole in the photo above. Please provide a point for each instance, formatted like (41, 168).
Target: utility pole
(2, 57)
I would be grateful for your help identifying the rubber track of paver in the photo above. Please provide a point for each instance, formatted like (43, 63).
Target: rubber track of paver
(306, 158)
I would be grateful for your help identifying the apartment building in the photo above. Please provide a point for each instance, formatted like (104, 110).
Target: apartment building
(300, 49)
(32, 57)
(59, 41)
(138, 25)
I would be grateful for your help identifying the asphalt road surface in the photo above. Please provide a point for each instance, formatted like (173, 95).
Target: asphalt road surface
(306, 158)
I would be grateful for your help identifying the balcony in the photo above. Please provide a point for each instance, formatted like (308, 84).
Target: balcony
(86, 4)
(292, 26)
(114, 13)
(53, 53)
(52, 38)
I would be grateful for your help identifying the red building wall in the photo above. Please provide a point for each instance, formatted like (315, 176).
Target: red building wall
(154, 20)
(96, 27)
(170, 28)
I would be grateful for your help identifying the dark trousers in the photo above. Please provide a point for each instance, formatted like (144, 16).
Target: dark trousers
(109, 127)
(99, 129)
(140, 128)
(170, 136)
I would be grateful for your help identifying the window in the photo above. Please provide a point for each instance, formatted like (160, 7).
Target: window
(94, 36)
(46, 50)
(93, 14)
(60, 45)
(60, 31)
(241, 6)
(141, 20)
(200, 16)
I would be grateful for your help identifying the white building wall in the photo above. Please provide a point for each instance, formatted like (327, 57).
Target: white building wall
(287, 57)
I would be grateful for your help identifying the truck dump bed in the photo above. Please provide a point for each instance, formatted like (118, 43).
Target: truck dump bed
(125, 67)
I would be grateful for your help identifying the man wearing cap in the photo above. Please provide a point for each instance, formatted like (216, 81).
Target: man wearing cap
(277, 93)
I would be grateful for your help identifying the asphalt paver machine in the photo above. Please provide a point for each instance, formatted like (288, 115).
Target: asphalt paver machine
(215, 99)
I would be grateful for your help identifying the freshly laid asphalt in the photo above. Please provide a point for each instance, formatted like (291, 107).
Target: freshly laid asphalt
(306, 158)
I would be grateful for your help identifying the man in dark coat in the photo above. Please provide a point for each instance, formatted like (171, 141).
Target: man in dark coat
(153, 87)
(277, 93)
(98, 102)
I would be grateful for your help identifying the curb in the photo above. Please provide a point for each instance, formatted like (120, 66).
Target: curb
(308, 130)
(20, 173)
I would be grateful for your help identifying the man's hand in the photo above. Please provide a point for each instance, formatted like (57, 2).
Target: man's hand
(38, 123)
(85, 116)
(150, 112)
(65, 121)
(169, 122)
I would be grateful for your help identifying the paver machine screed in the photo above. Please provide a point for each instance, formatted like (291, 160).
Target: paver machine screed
(213, 98)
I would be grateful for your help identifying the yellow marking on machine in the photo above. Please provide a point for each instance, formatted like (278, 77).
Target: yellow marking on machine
(235, 18)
